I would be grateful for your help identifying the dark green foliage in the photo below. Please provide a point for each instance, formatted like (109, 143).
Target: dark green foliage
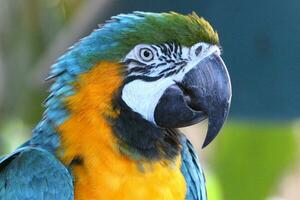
(250, 158)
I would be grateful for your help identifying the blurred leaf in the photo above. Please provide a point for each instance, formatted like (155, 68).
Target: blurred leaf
(213, 186)
(249, 158)
(13, 133)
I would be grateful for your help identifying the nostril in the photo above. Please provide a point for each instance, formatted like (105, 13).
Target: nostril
(198, 50)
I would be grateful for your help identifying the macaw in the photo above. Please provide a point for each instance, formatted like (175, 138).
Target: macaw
(109, 129)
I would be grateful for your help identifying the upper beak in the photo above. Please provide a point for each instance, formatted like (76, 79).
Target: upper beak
(204, 92)
(209, 88)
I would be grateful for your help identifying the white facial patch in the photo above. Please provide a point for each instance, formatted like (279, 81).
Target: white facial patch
(166, 67)
(142, 97)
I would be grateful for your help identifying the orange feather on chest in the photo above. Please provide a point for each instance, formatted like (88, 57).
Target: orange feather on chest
(106, 173)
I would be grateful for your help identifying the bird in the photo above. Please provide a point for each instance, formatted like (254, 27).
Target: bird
(110, 125)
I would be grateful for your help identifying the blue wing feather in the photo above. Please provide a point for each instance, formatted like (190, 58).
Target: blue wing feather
(32, 173)
(192, 172)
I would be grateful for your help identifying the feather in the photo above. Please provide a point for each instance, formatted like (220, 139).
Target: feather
(192, 172)
(34, 174)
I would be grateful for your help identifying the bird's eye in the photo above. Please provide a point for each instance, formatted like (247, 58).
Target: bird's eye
(146, 54)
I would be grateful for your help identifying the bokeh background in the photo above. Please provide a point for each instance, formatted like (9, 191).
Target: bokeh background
(256, 157)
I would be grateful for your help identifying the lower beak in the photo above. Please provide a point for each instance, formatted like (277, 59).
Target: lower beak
(204, 92)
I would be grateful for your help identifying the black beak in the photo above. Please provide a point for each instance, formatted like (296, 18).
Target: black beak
(204, 92)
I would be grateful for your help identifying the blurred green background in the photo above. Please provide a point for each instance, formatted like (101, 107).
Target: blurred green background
(257, 155)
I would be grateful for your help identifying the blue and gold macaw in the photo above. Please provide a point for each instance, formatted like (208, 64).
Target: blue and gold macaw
(109, 130)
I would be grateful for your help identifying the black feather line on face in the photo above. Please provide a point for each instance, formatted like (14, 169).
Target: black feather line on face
(160, 64)
(176, 47)
(155, 49)
(143, 69)
(128, 61)
(167, 69)
(170, 53)
(141, 77)
(170, 73)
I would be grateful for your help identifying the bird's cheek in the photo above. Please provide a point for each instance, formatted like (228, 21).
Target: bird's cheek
(142, 96)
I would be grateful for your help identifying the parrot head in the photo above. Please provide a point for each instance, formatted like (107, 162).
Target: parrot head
(174, 86)
(172, 75)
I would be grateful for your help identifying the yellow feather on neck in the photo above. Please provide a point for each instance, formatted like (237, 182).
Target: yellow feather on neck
(105, 173)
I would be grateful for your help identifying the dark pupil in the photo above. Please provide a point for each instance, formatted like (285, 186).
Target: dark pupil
(146, 54)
